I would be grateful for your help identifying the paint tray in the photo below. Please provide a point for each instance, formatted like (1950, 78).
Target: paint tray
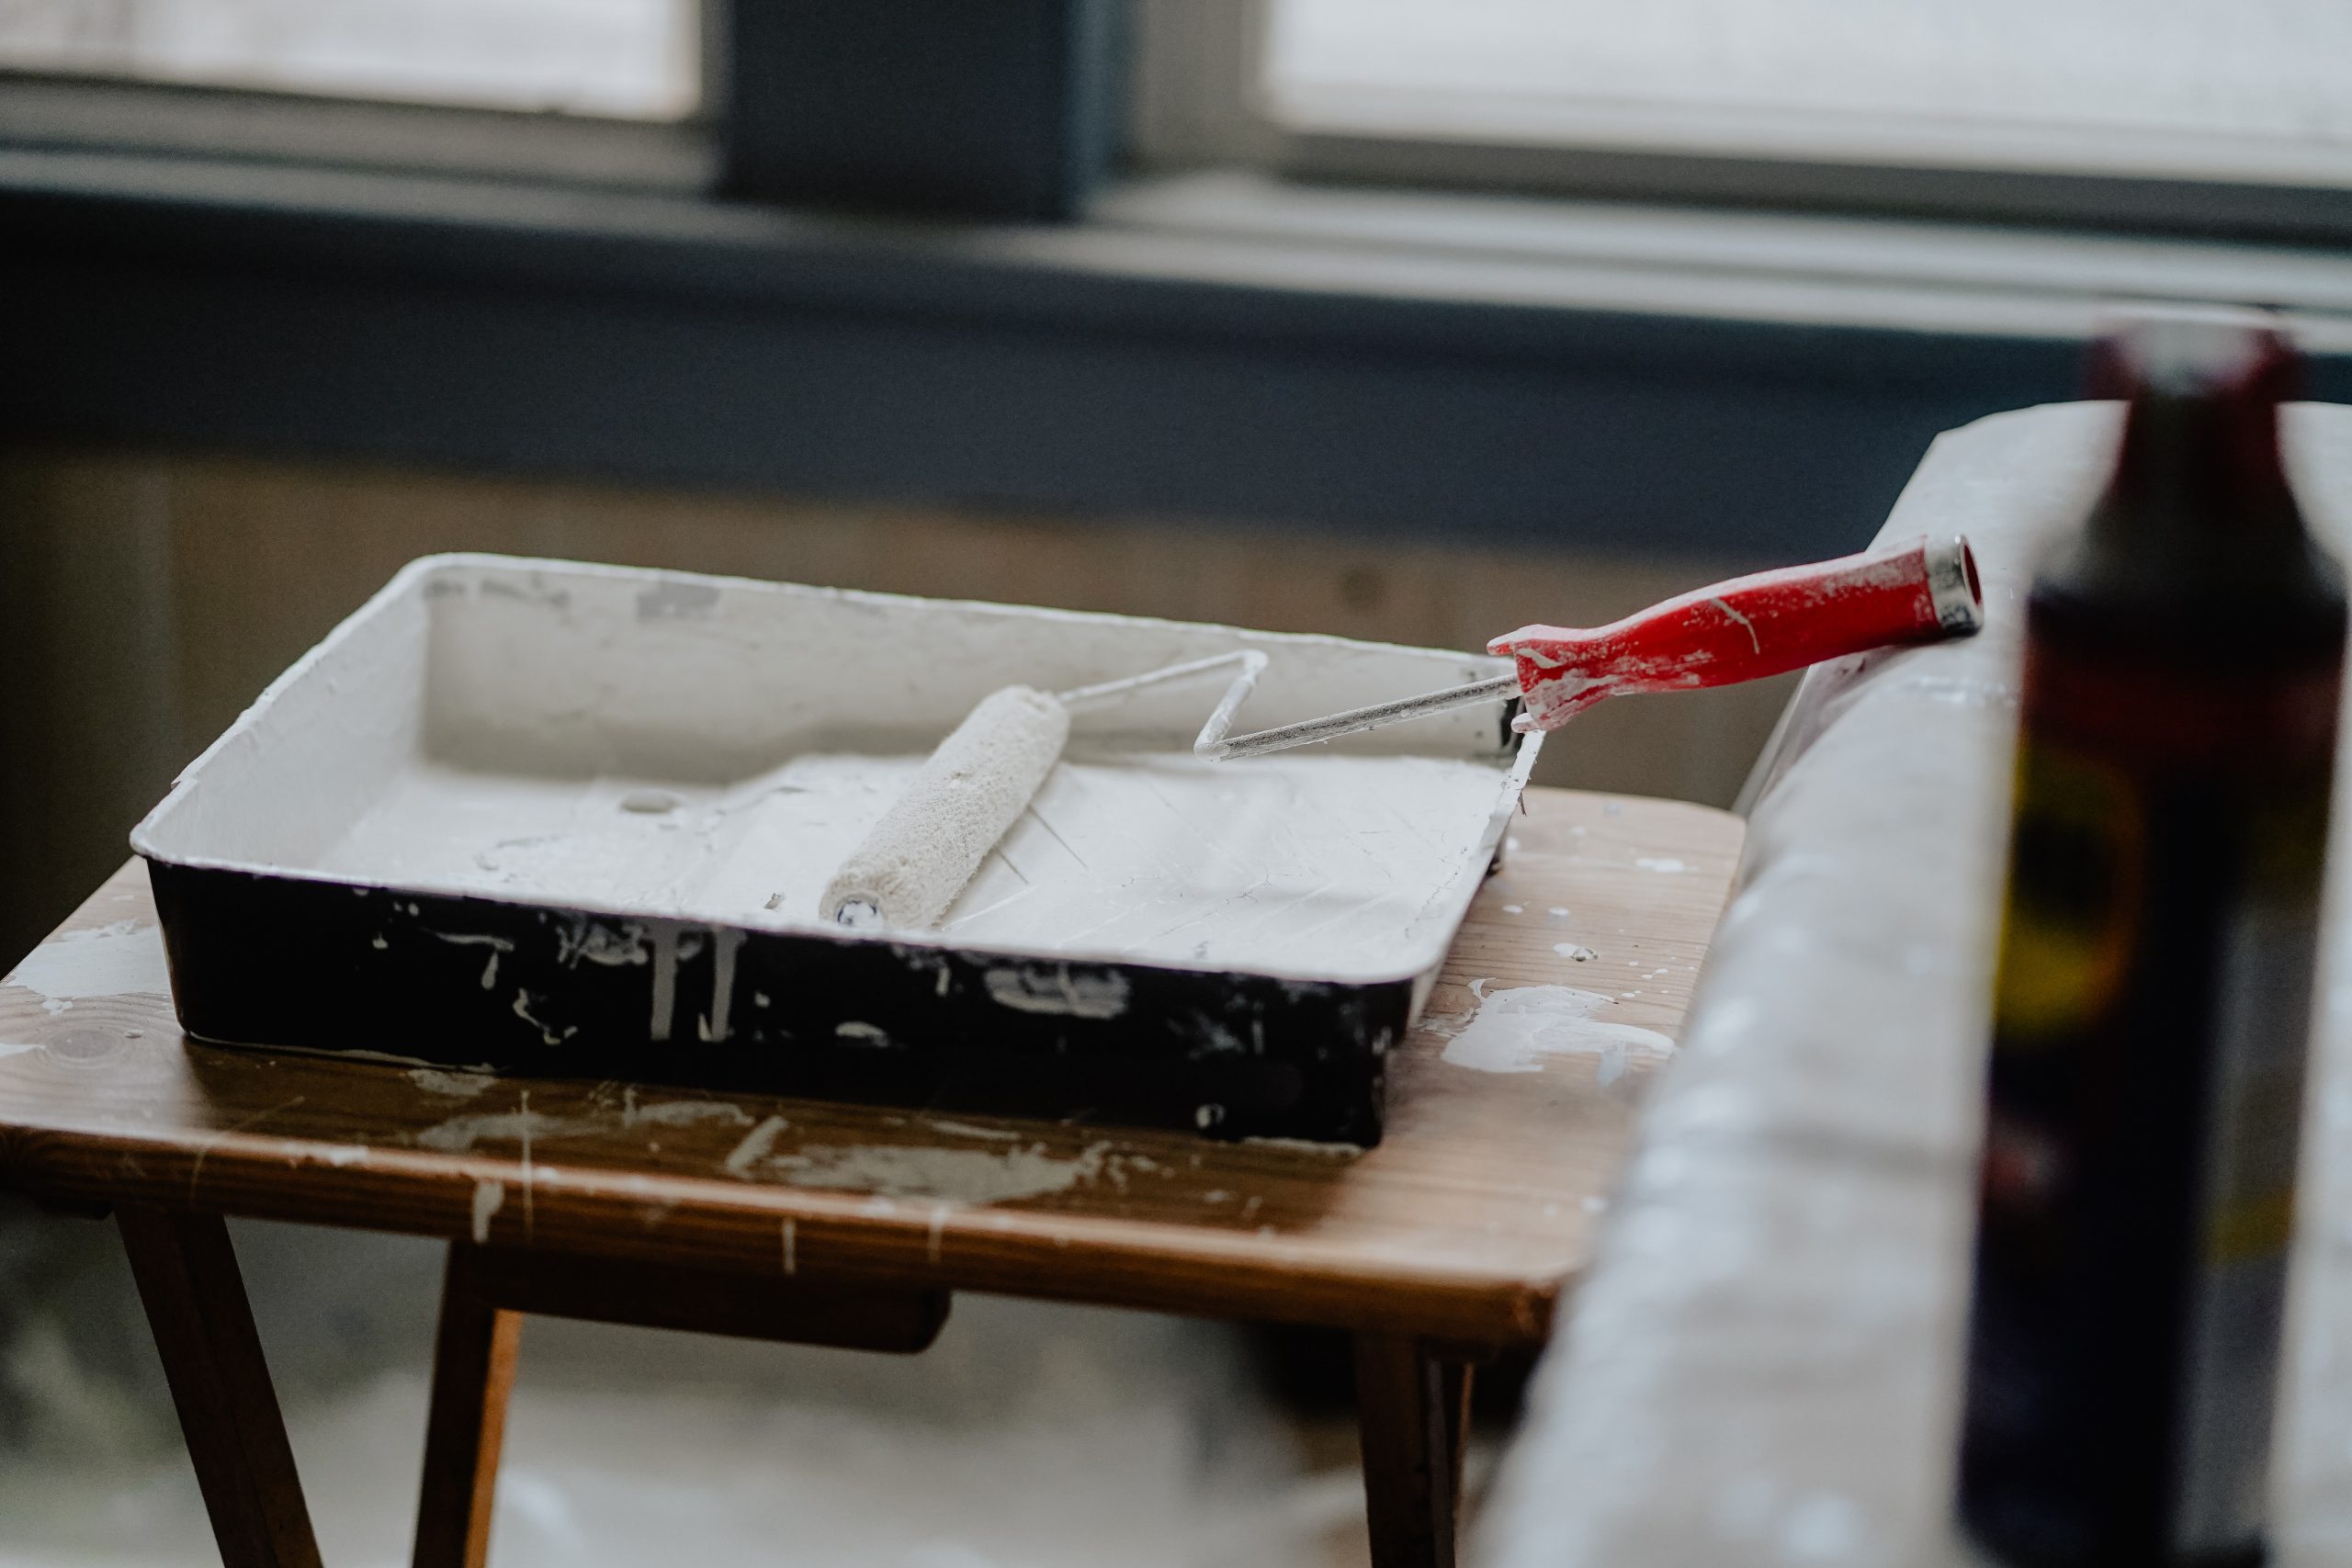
(559, 820)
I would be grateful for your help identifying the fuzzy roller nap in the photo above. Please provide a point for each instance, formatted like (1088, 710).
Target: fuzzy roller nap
(910, 868)
(927, 846)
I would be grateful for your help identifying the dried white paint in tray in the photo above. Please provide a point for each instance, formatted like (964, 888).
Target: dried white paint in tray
(1514, 1031)
(1309, 863)
(505, 728)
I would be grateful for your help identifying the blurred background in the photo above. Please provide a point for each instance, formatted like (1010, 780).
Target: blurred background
(1414, 319)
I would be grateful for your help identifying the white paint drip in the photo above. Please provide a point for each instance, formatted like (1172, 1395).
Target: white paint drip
(1056, 990)
(602, 945)
(1745, 623)
(122, 959)
(724, 941)
(665, 981)
(1664, 863)
(1575, 951)
(549, 1036)
(488, 1198)
(966, 1130)
(1516, 1030)
(497, 944)
(1308, 1146)
(9, 1048)
(791, 1262)
(457, 1086)
(523, 1104)
(682, 1113)
(863, 1034)
(755, 1145)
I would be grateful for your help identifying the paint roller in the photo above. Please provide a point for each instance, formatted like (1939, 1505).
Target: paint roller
(910, 867)
(1767, 623)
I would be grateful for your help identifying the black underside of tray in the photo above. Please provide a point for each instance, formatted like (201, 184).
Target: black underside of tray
(290, 963)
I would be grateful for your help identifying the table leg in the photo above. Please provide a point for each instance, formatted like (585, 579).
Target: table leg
(1413, 1408)
(473, 1369)
(187, 1280)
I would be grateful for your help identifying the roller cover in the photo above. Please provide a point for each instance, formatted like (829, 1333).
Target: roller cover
(917, 858)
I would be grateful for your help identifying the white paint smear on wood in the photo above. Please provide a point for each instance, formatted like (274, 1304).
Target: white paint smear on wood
(461, 1134)
(756, 1144)
(455, 1086)
(122, 959)
(681, 1112)
(958, 1176)
(1515, 1030)
(968, 1129)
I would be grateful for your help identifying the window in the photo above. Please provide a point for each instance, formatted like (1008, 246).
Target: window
(2251, 89)
(2158, 115)
(616, 58)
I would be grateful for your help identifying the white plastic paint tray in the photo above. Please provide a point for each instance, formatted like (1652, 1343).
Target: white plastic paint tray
(555, 819)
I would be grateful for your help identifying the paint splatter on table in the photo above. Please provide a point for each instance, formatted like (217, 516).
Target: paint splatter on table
(1466, 1223)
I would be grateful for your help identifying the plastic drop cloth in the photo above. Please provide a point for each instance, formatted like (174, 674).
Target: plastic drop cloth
(1028, 1437)
(1763, 1365)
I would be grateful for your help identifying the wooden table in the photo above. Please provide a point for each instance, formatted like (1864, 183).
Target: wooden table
(836, 1224)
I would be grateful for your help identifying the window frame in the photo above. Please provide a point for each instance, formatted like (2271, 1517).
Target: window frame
(102, 117)
(231, 84)
(1211, 52)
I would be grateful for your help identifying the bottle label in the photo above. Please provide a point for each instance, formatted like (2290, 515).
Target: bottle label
(2150, 1017)
(2246, 1189)
(2068, 931)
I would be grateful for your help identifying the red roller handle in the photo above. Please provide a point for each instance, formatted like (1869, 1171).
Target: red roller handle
(1750, 627)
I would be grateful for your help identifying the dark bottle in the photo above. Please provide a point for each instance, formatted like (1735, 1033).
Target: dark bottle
(2183, 654)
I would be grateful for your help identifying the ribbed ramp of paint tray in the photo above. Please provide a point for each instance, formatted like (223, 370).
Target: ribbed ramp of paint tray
(1316, 863)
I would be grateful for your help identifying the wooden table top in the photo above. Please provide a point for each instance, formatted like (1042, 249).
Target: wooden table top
(1463, 1224)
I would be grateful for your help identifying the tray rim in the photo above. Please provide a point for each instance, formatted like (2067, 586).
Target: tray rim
(1512, 773)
